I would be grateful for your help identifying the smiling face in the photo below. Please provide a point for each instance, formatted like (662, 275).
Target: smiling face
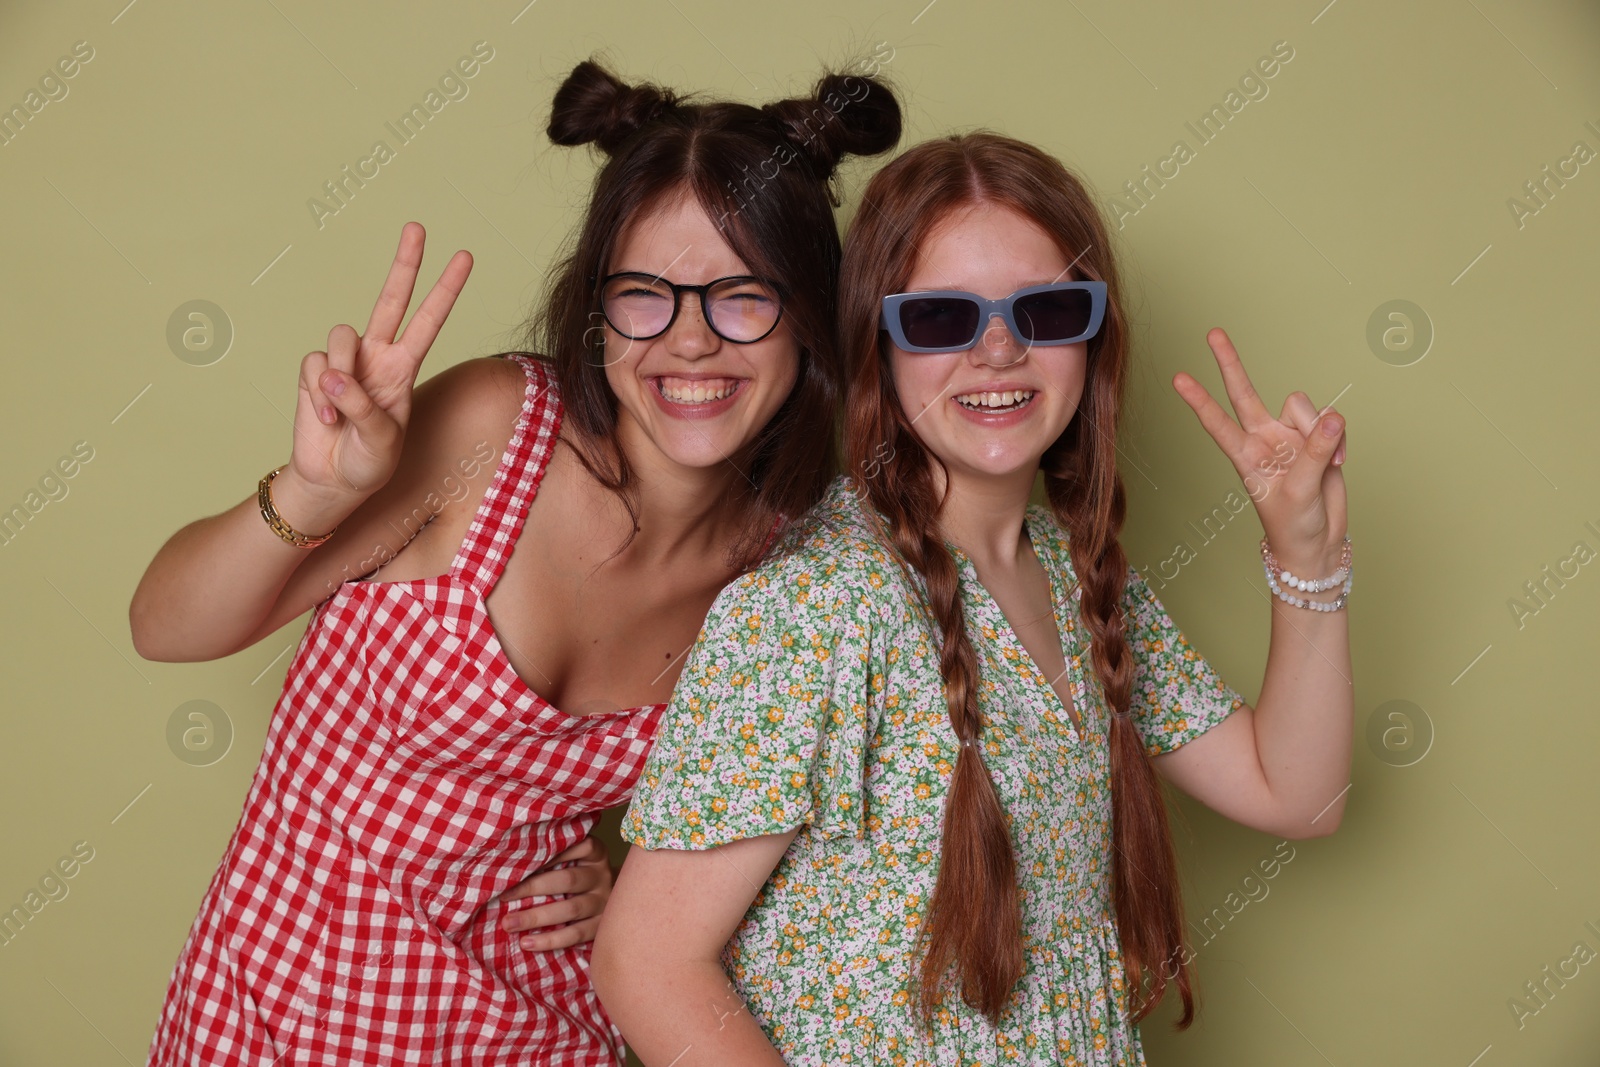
(688, 395)
(993, 410)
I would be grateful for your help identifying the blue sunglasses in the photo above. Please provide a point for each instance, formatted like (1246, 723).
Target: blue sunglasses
(952, 320)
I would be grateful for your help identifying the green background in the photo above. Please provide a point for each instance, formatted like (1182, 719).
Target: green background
(1377, 168)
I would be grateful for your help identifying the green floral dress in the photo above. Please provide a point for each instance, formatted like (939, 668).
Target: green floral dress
(813, 699)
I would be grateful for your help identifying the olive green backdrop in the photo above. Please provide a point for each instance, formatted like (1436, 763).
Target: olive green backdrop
(1384, 160)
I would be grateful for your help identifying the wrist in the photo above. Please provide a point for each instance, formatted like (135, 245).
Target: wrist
(309, 509)
(1307, 560)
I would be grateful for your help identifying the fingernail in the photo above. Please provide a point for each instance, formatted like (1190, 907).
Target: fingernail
(327, 414)
(1331, 427)
(335, 387)
(1338, 457)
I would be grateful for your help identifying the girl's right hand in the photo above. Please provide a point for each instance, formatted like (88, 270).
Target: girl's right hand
(355, 399)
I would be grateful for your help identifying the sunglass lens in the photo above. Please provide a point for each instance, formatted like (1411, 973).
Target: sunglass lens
(939, 321)
(1054, 316)
(637, 306)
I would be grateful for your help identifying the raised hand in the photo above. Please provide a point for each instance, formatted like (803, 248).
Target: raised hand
(572, 921)
(355, 399)
(1302, 503)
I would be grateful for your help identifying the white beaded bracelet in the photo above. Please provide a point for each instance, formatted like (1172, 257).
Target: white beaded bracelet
(1275, 572)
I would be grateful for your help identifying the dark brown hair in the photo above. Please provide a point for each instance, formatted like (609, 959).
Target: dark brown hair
(974, 920)
(761, 174)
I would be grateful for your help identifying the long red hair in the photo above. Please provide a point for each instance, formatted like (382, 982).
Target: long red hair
(974, 920)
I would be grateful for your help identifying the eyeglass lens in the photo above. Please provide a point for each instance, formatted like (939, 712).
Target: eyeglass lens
(739, 309)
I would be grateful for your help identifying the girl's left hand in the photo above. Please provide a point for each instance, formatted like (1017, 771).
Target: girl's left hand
(573, 920)
(1290, 464)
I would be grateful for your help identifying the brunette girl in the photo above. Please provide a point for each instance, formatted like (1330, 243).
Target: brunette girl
(911, 767)
(457, 715)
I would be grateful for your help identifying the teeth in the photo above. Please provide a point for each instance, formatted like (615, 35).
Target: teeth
(697, 392)
(1006, 399)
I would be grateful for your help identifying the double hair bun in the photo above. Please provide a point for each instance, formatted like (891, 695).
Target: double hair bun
(847, 114)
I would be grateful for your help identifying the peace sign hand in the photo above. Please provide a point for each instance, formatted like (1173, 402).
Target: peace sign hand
(1291, 464)
(354, 400)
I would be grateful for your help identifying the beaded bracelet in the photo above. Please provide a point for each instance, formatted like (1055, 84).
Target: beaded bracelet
(1275, 572)
(275, 521)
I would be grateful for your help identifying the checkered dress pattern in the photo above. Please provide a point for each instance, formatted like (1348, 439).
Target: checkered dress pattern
(409, 777)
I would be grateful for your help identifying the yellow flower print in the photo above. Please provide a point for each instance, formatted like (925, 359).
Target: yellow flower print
(719, 804)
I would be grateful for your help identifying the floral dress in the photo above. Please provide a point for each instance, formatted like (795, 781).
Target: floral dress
(814, 700)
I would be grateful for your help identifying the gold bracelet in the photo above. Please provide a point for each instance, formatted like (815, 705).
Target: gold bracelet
(275, 521)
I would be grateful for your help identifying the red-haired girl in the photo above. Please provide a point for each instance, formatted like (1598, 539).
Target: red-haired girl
(911, 767)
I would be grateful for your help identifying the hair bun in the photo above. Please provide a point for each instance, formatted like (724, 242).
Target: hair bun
(595, 106)
(848, 114)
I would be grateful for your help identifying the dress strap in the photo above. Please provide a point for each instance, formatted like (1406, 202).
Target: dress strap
(500, 515)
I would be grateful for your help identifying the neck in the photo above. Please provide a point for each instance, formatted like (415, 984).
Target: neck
(680, 509)
(983, 515)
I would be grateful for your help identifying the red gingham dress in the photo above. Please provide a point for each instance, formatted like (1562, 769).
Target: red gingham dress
(409, 777)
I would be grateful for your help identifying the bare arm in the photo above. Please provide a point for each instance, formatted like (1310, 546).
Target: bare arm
(657, 956)
(1283, 766)
(357, 462)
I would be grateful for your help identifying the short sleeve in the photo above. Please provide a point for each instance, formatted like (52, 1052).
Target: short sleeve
(1177, 695)
(767, 727)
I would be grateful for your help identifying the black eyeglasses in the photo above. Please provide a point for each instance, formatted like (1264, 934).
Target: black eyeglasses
(740, 308)
(952, 320)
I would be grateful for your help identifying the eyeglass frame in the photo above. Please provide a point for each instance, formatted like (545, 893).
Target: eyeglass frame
(702, 291)
(889, 315)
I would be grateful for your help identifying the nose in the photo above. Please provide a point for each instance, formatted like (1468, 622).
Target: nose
(691, 336)
(997, 346)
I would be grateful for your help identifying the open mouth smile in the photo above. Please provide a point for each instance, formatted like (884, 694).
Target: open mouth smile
(997, 403)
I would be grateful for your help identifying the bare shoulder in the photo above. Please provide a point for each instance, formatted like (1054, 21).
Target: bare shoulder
(476, 398)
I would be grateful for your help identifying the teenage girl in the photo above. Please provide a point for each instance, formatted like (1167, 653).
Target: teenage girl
(911, 767)
(485, 670)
